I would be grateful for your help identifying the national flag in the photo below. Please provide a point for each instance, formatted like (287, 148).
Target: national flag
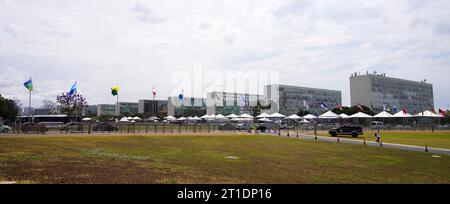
(181, 96)
(358, 106)
(323, 105)
(442, 112)
(154, 92)
(29, 84)
(73, 89)
(384, 107)
(115, 90)
(394, 109)
(305, 104)
(404, 111)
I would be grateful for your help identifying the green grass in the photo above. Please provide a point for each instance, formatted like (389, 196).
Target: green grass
(438, 139)
(203, 159)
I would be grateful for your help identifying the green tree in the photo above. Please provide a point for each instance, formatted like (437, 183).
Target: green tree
(8, 109)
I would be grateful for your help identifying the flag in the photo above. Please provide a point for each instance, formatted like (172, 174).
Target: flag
(115, 90)
(442, 112)
(384, 107)
(323, 105)
(371, 105)
(181, 96)
(29, 84)
(394, 109)
(338, 106)
(305, 104)
(154, 92)
(404, 111)
(73, 89)
(358, 106)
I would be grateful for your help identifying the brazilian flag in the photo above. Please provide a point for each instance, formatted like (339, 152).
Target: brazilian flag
(29, 85)
(115, 90)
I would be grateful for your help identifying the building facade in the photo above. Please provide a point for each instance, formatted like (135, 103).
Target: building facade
(106, 109)
(382, 92)
(153, 107)
(227, 103)
(127, 108)
(288, 100)
(189, 106)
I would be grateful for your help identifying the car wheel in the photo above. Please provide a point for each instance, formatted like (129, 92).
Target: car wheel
(334, 134)
(354, 134)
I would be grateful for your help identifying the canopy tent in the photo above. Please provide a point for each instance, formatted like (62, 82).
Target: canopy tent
(294, 117)
(401, 114)
(196, 118)
(304, 121)
(309, 116)
(153, 118)
(329, 115)
(276, 115)
(383, 114)
(208, 117)
(136, 118)
(189, 118)
(262, 115)
(169, 118)
(124, 119)
(360, 115)
(264, 120)
(86, 119)
(181, 119)
(245, 115)
(232, 116)
(429, 114)
(129, 118)
(241, 119)
(343, 115)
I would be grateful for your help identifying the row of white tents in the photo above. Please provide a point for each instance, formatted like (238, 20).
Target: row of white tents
(265, 117)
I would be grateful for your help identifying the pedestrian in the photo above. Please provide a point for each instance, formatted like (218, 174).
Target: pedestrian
(377, 135)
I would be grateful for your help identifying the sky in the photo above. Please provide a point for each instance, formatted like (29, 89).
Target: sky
(141, 44)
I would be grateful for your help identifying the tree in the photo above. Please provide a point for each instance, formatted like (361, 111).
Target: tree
(50, 105)
(71, 105)
(8, 109)
(352, 110)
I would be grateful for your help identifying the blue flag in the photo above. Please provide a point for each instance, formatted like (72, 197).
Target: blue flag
(323, 105)
(73, 89)
(29, 85)
(181, 96)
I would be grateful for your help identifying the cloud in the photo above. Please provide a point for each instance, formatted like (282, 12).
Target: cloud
(145, 14)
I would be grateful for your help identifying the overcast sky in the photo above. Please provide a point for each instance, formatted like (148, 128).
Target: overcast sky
(139, 44)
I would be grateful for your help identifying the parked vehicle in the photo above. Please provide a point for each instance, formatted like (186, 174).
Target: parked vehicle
(34, 127)
(5, 128)
(353, 130)
(73, 126)
(227, 126)
(262, 127)
(104, 127)
(286, 126)
(377, 124)
(244, 126)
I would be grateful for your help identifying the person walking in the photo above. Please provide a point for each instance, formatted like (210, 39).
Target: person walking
(377, 135)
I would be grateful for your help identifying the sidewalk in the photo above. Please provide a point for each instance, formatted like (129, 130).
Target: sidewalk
(371, 143)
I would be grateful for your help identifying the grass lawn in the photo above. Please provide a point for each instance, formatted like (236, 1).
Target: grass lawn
(438, 139)
(203, 159)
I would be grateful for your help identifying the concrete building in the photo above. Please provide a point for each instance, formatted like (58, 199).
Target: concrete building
(288, 100)
(128, 108)
(153, 107)
(106, 109)
(189, 106)
(378, 90)
(91, 110)
(226, 103)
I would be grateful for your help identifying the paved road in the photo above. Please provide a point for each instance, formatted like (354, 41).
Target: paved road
(371, 143)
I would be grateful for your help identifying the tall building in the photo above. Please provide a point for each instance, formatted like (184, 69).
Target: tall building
(288, 100)
(106, 109)
(226, 103)
(90, 110)
(128, 108)
(379, 91)
(189, 106)
(153, 107)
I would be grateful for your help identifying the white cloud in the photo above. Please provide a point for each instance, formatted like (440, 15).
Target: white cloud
(142, 43)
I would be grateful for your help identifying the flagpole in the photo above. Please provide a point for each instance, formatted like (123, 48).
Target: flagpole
(29, 108)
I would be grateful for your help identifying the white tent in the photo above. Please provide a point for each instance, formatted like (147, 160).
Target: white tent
(181, 119)
(329, 115)
(124, 119)
(294, 117)
(196, 118)
(360, 115)
(428, 113)
(136, 118)
(401, 114)
(232, 116)
(220, 117)
(309, 116)
(86, 119)
(169, 118)
(304, 121)
(129, 118)
(208, 117)
(245, 115)
(189, 118)
(276, 115)
(264, 120)
(383, 114)
(343, 115)
(262, 115)
(153, 118)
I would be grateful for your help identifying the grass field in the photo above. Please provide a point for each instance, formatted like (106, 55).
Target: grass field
(439, 139)
(203, 159)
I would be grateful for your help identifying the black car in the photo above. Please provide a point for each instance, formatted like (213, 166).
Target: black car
(262, 128)
(353, 130)
(227, 126)
(104, 127)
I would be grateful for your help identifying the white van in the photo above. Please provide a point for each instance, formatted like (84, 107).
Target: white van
(377, 124)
